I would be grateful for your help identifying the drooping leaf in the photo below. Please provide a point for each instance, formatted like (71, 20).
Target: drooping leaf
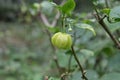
(87, 27)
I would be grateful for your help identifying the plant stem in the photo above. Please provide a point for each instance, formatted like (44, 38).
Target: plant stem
(80, 66)
(102, 23)
(63, 23)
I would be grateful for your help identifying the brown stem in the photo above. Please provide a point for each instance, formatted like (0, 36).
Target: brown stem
(110, 34)
(80, 66)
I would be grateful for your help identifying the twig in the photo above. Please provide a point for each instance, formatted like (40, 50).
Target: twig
(80, 66)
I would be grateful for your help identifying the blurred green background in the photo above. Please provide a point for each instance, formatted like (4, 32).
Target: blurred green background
(25, 48)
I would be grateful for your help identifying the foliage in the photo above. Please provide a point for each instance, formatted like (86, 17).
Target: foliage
(26, 52)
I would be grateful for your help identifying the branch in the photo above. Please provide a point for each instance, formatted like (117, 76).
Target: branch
(105, 27)
(80, 66)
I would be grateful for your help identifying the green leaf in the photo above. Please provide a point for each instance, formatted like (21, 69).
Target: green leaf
(106, 11)
(114, 63)
(98, 45)
(37, 77)
(90, 74)
(36, 5)
(116, 19)
(68, 7)
(111, 76)
(113, 26)
(62, 58)
(87, 27)
(47, 7)
(87, 53)
(115, 14)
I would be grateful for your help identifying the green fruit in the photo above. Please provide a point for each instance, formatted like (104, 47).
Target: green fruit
(62, 40)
